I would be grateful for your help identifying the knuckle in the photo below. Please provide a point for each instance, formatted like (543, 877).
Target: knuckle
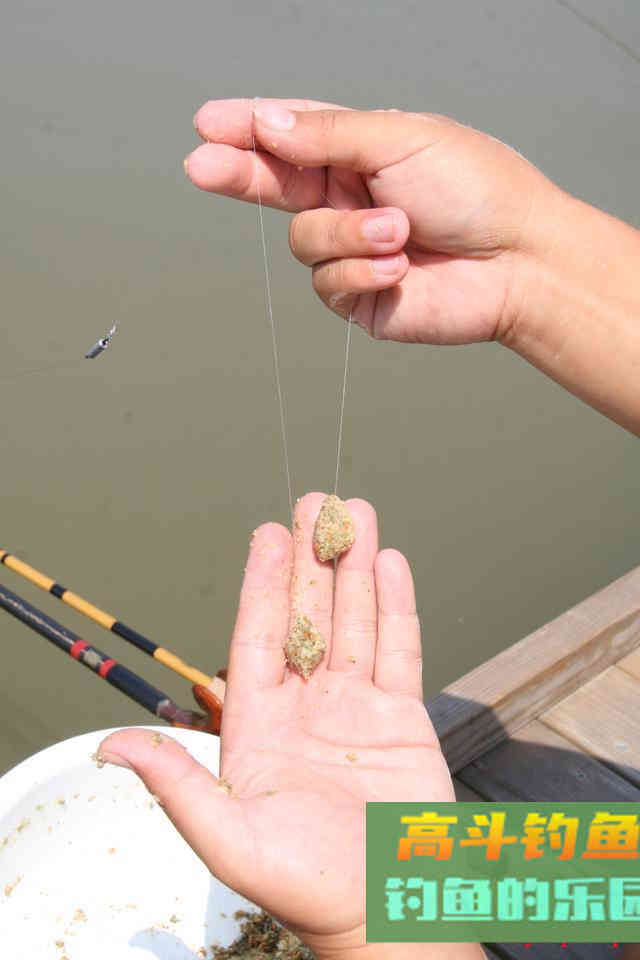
(295, 225)
(329, 278)
(333, 235)
(299, 238)
(289, 185)
(317, 280)
(328, 123)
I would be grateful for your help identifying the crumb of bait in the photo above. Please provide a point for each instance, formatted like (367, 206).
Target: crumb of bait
(98, 760)
(10, 887)
(261, 938)
(157, 739)
(333, 533)
(304, 648)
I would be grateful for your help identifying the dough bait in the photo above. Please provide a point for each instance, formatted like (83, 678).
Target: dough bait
(333, 533)
(304, 648)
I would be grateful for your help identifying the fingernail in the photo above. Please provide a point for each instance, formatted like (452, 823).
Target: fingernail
(386, 265)
(186, 163)
(115, 759)
(278, 118)
(195, 121)
(379, 229)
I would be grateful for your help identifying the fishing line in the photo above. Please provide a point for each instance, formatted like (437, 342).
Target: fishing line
(344, 378)
(344, 394)
(274, 340)
(50, 368)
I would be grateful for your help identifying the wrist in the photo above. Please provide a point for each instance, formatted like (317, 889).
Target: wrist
(407, 951)
(574, 305)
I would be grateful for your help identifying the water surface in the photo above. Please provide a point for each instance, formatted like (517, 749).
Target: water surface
(137, 479)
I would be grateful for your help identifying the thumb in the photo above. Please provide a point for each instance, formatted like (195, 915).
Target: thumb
(364, 141)
(200, 806)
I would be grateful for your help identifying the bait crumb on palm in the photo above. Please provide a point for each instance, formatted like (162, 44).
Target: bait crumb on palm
(334, 532)
(304, 648)
(351, 757)
(225, 785)
(98, 760)
(261, 938)
(157, 739)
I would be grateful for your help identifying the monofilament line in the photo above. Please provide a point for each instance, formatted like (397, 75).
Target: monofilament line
(274, 340)
(344, 394)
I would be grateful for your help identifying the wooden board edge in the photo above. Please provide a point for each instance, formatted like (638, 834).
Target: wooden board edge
(481, 709)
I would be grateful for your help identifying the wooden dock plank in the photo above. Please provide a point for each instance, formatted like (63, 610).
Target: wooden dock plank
(499, 697)
(555, 951)
(537, 763)
(465, 794)
(603, 717)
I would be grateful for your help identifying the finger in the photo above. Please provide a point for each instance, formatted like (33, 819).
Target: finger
(354, 139)
(318, 235)
(226, 170)
(256, 658)
(312, 582)
(227, 165)
(334, 279)
(200, 806)
(398, 666)
(231, 121)
(355, 615)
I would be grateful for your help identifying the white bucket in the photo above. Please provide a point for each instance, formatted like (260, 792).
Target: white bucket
(92, 869)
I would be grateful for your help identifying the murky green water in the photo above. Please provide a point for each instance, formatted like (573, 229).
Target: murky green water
(137, 479)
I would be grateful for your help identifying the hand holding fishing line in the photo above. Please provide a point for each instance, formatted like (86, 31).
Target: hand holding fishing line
(468, 242)
(299, 759)
(434, 261)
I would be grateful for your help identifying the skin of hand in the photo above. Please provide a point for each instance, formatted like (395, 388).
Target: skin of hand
(427, 231)
(286, 825)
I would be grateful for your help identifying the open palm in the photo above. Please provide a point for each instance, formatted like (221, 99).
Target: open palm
(462, 198)
(285, 825)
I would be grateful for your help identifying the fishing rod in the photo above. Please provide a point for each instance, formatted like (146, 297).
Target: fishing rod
(119, 676)
(105, 620)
